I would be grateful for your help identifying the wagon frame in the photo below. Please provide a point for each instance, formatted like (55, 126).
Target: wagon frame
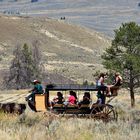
(105, 112)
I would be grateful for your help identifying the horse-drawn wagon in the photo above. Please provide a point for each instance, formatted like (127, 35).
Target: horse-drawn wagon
(93, 110)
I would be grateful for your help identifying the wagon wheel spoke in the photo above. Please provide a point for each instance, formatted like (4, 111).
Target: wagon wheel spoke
(91, 114)
(99, 108)
(104, 112)
(96, 109)
(95, 113)
(110, 113)
(106, 109)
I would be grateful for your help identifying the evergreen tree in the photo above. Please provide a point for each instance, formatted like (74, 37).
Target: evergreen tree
(124, 56)
(28, 66)
(15, 70)
(23, 69)
(37, 56)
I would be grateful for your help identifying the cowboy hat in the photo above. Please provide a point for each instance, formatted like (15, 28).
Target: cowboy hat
(35, 81)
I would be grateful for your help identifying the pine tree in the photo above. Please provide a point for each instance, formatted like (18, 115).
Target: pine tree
(37, 56)
(14, 70)
(23, 69)
(124, 56)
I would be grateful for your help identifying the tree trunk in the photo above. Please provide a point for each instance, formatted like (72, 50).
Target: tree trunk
(132, 97)
(132, 89)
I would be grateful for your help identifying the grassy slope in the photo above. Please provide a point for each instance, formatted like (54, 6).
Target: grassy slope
(67, 49)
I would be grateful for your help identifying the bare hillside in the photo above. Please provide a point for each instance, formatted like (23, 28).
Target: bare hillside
(70, 50)
(101, 15)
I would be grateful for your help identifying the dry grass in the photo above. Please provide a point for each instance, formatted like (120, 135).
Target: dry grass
(34, 126)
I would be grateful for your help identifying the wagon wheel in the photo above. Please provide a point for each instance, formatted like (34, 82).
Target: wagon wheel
(104, 112)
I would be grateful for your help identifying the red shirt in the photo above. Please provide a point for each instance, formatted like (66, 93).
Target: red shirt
(72, 99)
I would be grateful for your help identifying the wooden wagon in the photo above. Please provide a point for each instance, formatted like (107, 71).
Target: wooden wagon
(103, 111)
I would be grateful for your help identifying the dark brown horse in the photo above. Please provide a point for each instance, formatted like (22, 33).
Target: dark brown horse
(12, 108)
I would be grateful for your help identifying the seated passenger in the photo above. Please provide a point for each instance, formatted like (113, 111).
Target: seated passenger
(59, 99)
(71, 99)
(86, 99)
(74, 94)
(117, 83)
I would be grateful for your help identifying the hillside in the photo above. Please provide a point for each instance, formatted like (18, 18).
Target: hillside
(101, 15)
(69, 50)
